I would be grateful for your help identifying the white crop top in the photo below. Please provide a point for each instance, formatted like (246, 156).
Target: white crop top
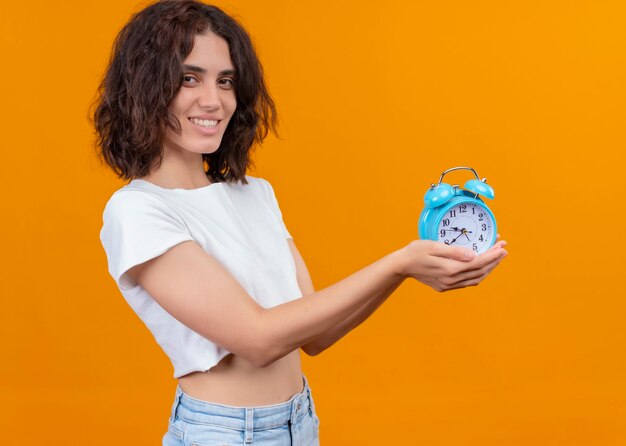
(239, 225)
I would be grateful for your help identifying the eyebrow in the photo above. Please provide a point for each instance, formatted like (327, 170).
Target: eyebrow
(201, 70)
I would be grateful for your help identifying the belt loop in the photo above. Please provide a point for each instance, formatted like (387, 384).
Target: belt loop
(294, 410)
(311, 403)
(249, 425)
(179, 394)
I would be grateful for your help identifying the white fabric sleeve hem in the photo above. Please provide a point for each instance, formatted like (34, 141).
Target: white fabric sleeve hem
(274, 205)
(124, 281)
(138, 227)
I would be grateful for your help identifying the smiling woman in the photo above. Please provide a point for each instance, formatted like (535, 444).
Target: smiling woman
(163, 48)
(205, 102)
(199, 249)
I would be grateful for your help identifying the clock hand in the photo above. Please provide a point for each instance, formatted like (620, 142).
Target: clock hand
(461, 230)
(457, 237)
(465, 231)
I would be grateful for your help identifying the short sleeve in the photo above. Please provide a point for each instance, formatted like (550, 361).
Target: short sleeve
(136, 228)
(273, 202)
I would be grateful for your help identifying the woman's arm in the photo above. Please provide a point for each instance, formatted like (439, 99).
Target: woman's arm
(197, 290)
(331, 336)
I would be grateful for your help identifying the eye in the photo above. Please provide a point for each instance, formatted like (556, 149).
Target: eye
(188, 79)
(227, 82)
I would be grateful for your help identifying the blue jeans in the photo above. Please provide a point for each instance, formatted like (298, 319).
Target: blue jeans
(195, 422)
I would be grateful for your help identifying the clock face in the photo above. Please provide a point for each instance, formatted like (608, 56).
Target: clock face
(467, 224)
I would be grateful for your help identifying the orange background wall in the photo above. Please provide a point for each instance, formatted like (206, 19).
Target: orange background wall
(375, 99)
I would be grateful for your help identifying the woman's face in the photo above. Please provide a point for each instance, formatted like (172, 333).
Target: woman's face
(206, 101)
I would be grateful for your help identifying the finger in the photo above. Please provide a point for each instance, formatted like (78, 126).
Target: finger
(452, 252)
(473, 280)
(484, 259)
(478, 273)
(450, 274)
(465, 284)
(499, 244)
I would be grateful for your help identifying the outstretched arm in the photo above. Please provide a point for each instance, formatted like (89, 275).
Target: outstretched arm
(197, 290)
(334, 334)
(331, 336)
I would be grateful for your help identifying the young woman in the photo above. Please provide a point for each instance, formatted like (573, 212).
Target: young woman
(198, 248)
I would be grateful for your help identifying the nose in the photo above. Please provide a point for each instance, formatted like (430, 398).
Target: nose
(209, 97)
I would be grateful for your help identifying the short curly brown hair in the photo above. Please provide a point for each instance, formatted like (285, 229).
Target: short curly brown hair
(144, 75)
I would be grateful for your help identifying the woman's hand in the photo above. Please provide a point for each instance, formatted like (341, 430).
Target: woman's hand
(444, 267)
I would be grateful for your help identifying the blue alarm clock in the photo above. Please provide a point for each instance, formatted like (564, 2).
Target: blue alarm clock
(458, 216)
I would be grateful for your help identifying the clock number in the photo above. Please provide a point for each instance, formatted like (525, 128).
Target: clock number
(446, 222)
(481, 239)
(474, 247)
(473, 210)
(442, 233)
(462, 209)
(484, 227)
(480, 216)
(452, 213)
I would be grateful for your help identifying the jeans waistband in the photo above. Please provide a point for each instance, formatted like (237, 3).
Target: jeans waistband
(193, 410)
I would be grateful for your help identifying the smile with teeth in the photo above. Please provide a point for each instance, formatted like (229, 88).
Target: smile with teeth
(206, 123)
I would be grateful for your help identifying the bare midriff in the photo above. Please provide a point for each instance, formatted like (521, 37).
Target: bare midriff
(236, 382)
